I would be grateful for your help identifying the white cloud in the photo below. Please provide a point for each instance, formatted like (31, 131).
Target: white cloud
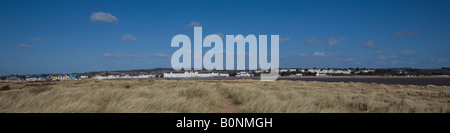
(23, 46)
(408, 33)
(334, 41)
(383, 57)
(103, 17)
(284, 39)
(71, 50)
(313, 41)
(120, 56)
(408, 52)
(380, 52)
(369, 45)
(319, 54)
(160, 55)
(443, 60)
(350, 59)
(193, 24)
(128, 38)
(38, 39)
(302, 55)
(394, 62)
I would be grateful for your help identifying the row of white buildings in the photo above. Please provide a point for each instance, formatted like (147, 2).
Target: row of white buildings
(71, 77)
(327, 71)
(194, 75)
(101, 77)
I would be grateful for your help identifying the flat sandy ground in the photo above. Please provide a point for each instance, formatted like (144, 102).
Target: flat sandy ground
(220, 96)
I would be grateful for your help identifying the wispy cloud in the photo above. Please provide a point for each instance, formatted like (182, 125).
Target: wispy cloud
(71, 50)
(379, 52)
(103, 17)
(408, 52)
(369, 45)
(38, 39)
(313, 41)
(384, 57)
(160, 55)
(319, 54)
(348, 59)
(330, 41)
(193, 24)
(23, 46)
(334, 41)
(128, 38)
(303, 55)
(284, 39)
(408, 33)
(120, 56)
(324, 59)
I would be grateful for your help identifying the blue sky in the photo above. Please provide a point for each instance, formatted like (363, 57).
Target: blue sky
(81, 36)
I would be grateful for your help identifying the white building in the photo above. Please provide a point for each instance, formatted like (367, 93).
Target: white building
(205, 75)
(347, 72)
(244, 74)
(31, 79)
(321, 74)
(317, 70)
(343, 71)
(331, 71)
(176, 75)
(126, 77)
(194, 75)
(143, 76)
(112, 77)
(224, 75)
(99, 77)
(258, 71)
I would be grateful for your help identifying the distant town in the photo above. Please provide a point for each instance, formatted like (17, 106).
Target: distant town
(170, 73)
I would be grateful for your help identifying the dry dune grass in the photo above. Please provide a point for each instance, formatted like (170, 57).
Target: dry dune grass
(223, 96)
